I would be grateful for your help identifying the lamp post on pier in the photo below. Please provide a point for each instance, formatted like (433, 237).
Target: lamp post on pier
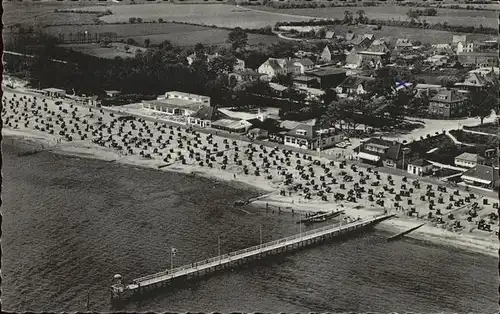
(300, 226)
(173, 251)
(260, 236)
(218, 249)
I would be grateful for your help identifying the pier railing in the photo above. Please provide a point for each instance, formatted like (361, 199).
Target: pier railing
(261, 247)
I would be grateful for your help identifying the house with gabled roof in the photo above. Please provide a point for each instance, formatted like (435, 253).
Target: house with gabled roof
(308, 136)
(447, 103)
(361, 42)
(330, 53)
(353, 85)
(330, 35)
(304, 64)
(205, 116)
(378, 151)
(475, 81)
(246, 75)
(481, 176)
(350, 36)
(403, 45)
(273, 67)
(369, 36)
(378, 46)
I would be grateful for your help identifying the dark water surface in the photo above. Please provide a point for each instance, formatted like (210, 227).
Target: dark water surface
(70, 224)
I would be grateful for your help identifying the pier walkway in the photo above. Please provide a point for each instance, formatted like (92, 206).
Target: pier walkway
(164, 278)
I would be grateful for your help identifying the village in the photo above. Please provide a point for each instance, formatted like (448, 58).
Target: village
(367, 125)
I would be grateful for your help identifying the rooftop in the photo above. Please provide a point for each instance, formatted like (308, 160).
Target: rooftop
(54, 90)
(326, 71)
(354, 81)
(469, 157)
(175, 102)
(304, 78)
(448, 96)
(183, 94)
(371, 53)
(481, 172)
(479, 54)
(305, 62)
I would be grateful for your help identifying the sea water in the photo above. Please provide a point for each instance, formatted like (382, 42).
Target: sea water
(70, 224)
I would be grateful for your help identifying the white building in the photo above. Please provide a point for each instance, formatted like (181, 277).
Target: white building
(54, 92)
(419, 167)
(465, 47)
(205, 100)
(468, 160)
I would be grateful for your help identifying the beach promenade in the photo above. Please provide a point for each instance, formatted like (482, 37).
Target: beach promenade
(299, 180)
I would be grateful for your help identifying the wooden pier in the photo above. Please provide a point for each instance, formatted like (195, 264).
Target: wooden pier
(401, 234)
(121, 291)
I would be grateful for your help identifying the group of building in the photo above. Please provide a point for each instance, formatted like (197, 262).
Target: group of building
(470, 168)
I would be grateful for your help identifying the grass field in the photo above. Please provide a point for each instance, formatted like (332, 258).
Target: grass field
(41, 13)
(452, 17)
(261, 16)
(178, 34)
(117, 50)
(214, 14)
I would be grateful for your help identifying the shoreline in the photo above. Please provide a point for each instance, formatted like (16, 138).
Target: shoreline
(427, 233)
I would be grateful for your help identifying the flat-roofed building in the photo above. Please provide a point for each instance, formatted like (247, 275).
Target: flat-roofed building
(173, 106)
(205, 100)
(327, 77)
(478, 59)
(468, 160)
(54, 92)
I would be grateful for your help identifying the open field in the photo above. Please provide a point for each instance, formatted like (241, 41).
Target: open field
(42, 13)
(451, 16)
(219, 15)
(179, 34)
(116, 50)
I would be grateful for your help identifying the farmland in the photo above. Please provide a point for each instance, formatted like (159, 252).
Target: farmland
(42, 13)
(117, 50)
(261, 16)
(178, 34)
(451, 16)
(214, 14)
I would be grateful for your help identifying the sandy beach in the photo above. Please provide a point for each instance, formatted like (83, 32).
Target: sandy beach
(291, 181)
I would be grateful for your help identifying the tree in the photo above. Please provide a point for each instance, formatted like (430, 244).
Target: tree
(139, 20)
(147, 42)
(347, 17)
(199, 50)
(238, 38)
(483, 101)
(321, 33)
(286, 80)
(330, 116)
(328, 97)
(361, 16)
(132, 20)
(384, 82)
(160, 20)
